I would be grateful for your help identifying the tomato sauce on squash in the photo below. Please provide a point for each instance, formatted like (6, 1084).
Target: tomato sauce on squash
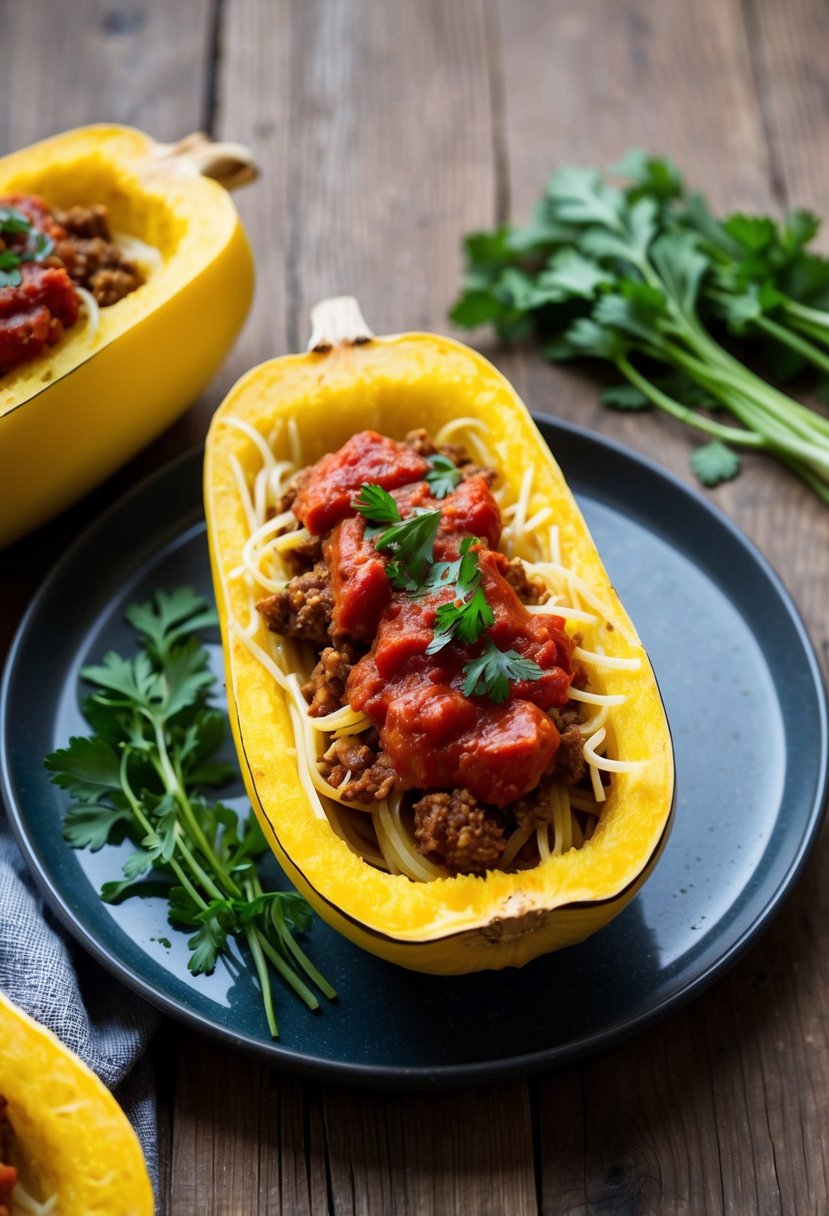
(34, 312)
(436, 736)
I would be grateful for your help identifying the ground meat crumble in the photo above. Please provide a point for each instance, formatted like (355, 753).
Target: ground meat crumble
(454, 830)
(303, 610)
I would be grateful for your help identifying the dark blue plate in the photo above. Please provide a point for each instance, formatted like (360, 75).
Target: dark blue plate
(747, 709)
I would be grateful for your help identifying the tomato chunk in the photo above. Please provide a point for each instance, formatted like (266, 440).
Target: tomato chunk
(358, 580)
(367, 458)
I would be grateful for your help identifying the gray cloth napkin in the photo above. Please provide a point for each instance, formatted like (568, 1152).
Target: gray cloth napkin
(108, 1027)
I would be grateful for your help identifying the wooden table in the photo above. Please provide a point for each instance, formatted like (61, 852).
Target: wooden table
(385, 129)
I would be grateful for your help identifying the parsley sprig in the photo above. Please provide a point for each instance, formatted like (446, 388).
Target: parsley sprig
(643, 276)
(35, 248)
(492, 672)
(141, 775)
(465, 617)
(410, 542)
(443, 476)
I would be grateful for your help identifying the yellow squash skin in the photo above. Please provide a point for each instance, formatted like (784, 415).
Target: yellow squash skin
(466, 923)
(71, 417)
(71, 1139)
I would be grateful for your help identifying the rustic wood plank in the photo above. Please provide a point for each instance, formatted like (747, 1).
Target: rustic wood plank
(393, 159)
(659, 77)
(258, 62)
(787, 53)
(718, 1109)
(134, 62)
(431, 1153)
(245, 1140)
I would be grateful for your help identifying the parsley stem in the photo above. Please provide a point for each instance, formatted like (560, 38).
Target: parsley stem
(207, 883)
(252, 935)
(793, 340)
(287, 939)
(172, 779)
(288, 974)
(816, 332)
(148, 828)
(803, 312)
(791, 433)
(684, 413)
(737, 375)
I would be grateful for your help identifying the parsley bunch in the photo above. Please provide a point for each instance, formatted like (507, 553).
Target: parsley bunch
(141, 775)
(35, 248)
(643, 277)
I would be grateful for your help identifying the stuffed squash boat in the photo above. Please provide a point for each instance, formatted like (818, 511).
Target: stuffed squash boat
(446, 722)
(65, 1144)
(125, 276)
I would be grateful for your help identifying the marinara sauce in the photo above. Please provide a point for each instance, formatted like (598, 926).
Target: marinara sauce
(436, 736)
(35, 312)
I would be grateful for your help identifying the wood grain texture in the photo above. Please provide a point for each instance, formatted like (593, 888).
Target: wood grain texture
(245, 1140)
(385, 130)
(683, 80)
(462, 1152)
(129, 61)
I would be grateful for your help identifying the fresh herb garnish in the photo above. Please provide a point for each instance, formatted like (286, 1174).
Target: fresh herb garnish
(411, 545)
(13, 222)
(410, 542)
(376, 505)
(468, 613)
(492, 672)
(443, 476)
(463, 573)
(37, 246)
(461, 621)
(141, 774)
(644, 277)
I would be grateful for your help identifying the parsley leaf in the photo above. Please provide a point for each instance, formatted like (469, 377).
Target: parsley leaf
(572, 274)
(443, 476)
(715, 463)
(36, 247)
(376, 505)
(210, 941)
(492, 672)
(13, 221)
(461, 621)
(89, 825)
(168, 617)
(463, 572)
(624, 397)
(411, 544)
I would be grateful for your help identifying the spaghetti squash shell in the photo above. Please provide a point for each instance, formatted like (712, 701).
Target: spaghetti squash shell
(465, 923)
